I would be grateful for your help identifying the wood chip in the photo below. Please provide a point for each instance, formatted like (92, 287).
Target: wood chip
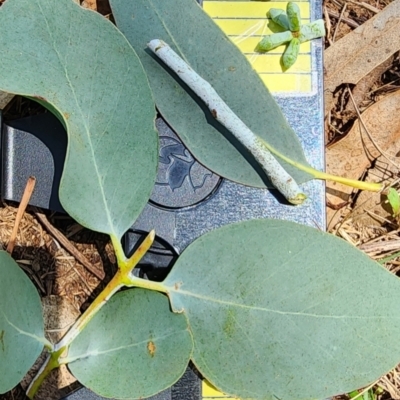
(68, 245)
(30, 186)
(380, 247)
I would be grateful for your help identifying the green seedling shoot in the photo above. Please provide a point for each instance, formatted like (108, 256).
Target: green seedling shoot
(294, 33)
(394, 200)
(293, 15)
(368, 393)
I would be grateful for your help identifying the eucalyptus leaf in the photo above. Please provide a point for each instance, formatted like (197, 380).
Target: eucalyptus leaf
(200, 42)
(21, 323)
(133, 348)
(81, 66)
(282, 311)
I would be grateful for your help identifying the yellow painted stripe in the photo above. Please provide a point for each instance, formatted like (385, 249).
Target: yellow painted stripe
(210, 393)
(247, 27)
(246, 9)
(245, 23)
(263, 63)
(287, 83)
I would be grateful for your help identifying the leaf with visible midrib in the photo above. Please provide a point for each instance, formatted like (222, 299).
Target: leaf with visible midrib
(280, 310)
(79, 63)
(21, 323)
(133, 348)
(197, 39)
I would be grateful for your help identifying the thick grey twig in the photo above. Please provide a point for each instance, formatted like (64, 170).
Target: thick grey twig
(221, 112)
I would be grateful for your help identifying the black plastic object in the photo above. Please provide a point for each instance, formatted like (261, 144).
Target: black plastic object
(33, 146)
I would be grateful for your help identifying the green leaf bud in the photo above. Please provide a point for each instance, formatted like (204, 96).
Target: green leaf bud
(290, 55)
(270, 42)
(313, 30)
(279, 17)
(293, 15)
(394, 200)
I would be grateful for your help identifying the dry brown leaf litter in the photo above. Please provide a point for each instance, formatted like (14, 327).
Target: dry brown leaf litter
(373, 145)
(359, 52)
(64, 284)
(364, 219)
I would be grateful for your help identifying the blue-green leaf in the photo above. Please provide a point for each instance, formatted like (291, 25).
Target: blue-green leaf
(197, 39)
(21, 323)
(79, 64)
(133, 348)
(279, 310)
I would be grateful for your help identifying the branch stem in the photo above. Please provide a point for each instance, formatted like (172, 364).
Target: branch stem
(222, 113)
(130, 263)
(145, 284)
(261, 150)
(91, 311)
(123, 277)
(370, 186)
(50, 363)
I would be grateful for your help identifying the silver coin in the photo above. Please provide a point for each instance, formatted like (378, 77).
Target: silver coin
(181, 180)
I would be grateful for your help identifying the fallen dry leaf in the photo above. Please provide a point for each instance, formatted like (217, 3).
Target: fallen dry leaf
(359, 52)
(91, 4)
(5, 98)
(351, 156)
(101, 6)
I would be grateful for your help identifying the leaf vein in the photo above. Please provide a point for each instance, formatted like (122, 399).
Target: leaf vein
(86, 130)
(270, 310)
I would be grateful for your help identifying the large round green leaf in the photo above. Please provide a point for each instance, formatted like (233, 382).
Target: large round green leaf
(279, 310)
(79, 63)
(133, 348)
(21, 323)
(199, 41)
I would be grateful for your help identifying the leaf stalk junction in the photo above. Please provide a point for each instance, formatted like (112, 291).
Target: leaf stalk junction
(124, 277)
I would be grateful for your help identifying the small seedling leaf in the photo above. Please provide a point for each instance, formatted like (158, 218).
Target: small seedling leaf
(293, 15)
(279, 17)
(200, 42)
(290, 55)
(394, 201)
(133, 348)
(270, 42)
(279, 310)
(80, 66)
(312, 30)
(21, 323)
